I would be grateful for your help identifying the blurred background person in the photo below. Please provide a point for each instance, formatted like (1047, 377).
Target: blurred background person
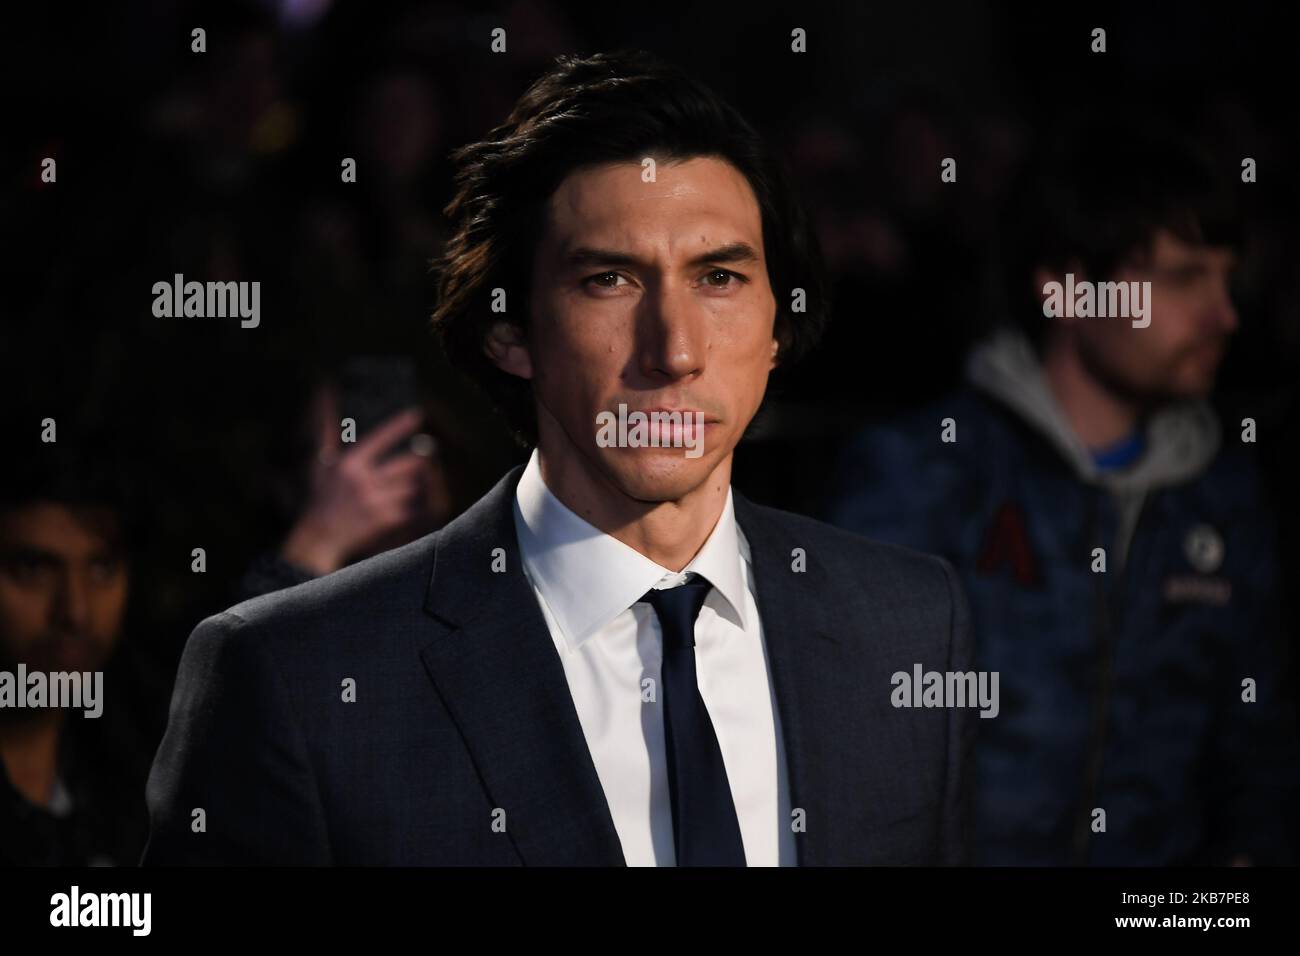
(72, 786)
(402, 473)
(1121, 676)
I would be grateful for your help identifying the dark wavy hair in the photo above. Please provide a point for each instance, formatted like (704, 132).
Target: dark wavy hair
(1095, 193)
(87, 470)
(587, 111)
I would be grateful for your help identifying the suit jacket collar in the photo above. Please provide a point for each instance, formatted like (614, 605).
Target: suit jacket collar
(587, 578)
(495, 668)
(792, 594)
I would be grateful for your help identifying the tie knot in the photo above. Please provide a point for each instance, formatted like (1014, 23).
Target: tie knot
(677, 608)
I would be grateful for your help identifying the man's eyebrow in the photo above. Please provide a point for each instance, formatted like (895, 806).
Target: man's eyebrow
(731, 252)
(22, 552)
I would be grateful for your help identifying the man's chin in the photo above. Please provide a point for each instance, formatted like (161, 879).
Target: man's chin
(657, 474)
(1199, 371)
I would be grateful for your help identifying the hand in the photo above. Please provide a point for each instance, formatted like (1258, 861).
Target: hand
(356, 499)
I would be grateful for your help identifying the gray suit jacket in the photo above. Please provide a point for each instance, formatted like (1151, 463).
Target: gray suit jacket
(461, 709)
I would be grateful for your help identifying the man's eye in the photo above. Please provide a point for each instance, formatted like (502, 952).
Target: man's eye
(726, 275)
(27, 570)
(105, 569)
(605, 280)
(1184, 275)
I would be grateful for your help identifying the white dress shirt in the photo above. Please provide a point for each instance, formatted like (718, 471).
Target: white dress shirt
(589, 586)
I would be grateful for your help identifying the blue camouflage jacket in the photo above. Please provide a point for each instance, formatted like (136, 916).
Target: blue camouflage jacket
(1140, 719)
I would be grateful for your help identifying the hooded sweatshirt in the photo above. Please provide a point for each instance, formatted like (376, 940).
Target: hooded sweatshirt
(1180, 440)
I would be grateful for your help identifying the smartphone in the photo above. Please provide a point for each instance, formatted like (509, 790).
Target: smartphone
(374, 388)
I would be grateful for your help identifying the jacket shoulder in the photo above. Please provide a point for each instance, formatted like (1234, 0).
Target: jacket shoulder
(392, 582)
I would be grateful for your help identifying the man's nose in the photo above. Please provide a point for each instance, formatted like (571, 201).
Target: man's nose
(673, 334)
(1222, 312)
(72, 601)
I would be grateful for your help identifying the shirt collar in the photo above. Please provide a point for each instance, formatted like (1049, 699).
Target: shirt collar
(587, 578)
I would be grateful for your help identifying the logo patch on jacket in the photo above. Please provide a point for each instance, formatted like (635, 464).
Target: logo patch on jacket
(1204, 549)
(1007, 542)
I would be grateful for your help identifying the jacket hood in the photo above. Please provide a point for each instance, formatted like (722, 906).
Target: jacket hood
(1181, 439)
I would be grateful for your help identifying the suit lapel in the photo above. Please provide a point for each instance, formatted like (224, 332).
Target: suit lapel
(496, 670)
(802, 654)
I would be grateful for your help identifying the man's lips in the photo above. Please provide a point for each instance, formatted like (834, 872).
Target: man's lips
(62, 654)
(659, 426)
(687, 414)
(1211, 354)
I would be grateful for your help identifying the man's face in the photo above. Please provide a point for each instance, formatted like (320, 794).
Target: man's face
(1192, 316)
(63, 588)
(654, 295)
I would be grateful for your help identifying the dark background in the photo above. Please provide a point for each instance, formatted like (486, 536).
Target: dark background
(225, 165)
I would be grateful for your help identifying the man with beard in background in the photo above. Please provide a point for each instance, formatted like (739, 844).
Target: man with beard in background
(71, 786)
(1110, 531)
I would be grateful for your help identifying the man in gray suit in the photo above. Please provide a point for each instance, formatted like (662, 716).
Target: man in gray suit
(612, 658)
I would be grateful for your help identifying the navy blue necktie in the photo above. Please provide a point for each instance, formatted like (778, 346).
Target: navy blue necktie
(706, 831)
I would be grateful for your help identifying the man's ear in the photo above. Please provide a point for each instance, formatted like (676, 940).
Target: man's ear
(776, 355)
(506, 347)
